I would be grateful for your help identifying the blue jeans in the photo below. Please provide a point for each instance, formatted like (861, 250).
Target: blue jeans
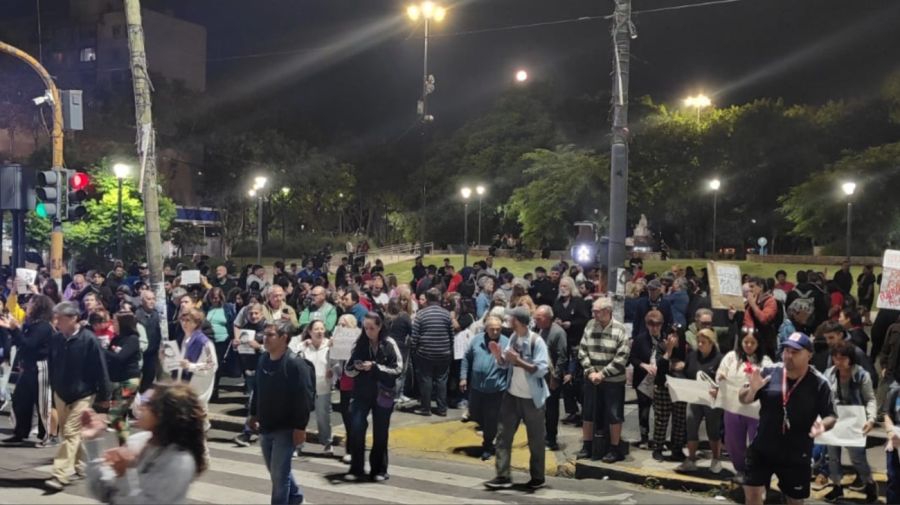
(893, 473)
(857, 458)
(278, 449)
(356, 441)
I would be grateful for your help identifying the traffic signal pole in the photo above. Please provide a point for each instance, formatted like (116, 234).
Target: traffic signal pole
(56, 137)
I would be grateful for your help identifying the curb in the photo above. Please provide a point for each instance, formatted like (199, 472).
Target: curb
(652, 478)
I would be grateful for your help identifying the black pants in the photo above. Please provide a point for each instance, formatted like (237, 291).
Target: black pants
(644, 404)
(552, 413)
(25, 399)
(148, 369)
(221, 347)
(346, 396)
(433, 375)
(484, 408)
(572, 392)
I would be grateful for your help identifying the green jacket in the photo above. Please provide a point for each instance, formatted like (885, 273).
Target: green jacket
(326, 313)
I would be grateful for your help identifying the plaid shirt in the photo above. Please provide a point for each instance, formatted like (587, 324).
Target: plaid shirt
(605, 350)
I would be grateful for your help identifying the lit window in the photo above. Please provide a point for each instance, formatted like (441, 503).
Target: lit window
(88, 54)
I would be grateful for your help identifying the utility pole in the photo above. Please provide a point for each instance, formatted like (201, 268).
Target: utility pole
(146, 150)
(622, 33)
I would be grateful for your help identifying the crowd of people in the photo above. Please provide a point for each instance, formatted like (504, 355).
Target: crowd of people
(505, 349)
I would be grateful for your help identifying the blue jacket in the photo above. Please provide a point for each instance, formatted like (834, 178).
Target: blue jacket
(678, 302)
(481, 369)
(536, 354)
(482, 304)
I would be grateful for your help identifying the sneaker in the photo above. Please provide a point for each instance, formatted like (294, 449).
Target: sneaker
(422, 412)
(584, 453)
(688, 465)
(871, 492)
(381, 477)
(440, 413)
(738, 478)
(715, 466)
(857, 485)
(612, 456)
(644, 444)
(658, 455)
(242, 440)
(499, 483)
(328, 450)
(570, 419)
(54, 484)
(352, 477)
(50, 442)
(465, 417)
(535, 484)
(347, 459)
(486, 455)
(835, 494)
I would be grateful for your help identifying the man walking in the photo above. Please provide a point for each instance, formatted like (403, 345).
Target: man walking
(279, 408)
(555, 338)
(432, 344)
(148, 317)
(526, 359)
(77, 374)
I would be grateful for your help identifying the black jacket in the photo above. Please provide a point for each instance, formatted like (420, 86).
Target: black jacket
(388, 365)
(544, 292)
(641, 352)
(578, 312)
(150, 321)
(77, 367)
(123, 364)
(33, 342)
(280, 400)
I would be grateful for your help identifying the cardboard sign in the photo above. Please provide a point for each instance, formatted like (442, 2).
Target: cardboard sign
(171, 356)
(847, 431)
(725, 287)
(245, 337)
(342, 342)
(889, 294)
(24, 280)
(689, 391)
(190, 277)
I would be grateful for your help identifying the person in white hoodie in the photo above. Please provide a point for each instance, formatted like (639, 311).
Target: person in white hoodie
(317, 349)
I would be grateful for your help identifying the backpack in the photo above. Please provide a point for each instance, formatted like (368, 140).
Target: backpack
(310, 380)
(809, 296)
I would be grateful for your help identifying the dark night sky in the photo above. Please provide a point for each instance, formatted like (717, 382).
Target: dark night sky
(362, 68)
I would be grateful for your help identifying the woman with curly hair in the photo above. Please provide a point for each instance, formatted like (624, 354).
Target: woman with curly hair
(156, 465)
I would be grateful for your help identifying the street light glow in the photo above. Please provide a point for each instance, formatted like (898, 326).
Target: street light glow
(466, 192)
(480, 189)
(285, 190)
(439, 13)
(121, 170)
(849, 188)
(428, 10)
(413, 12)
(700, 101)
(715, 184)
(252, 193)
(260, 182)
(521, 76)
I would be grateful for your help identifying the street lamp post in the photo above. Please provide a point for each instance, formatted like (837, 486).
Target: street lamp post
(259, 183)
(521, 75)
(466, 192)
(286, 192)
(698, 102)
(428, 11)
(121, 171)
(480, 190)
(849, 188)
(714, 185)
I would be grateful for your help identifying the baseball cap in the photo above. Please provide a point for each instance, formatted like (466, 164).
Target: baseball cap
(144, 266)
(799, 341)
(521, 314)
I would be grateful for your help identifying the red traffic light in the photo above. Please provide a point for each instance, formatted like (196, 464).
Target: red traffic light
(79, 181)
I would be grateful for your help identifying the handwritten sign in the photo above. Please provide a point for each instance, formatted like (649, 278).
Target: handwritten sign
(190, 277)
(171, 356)
(342, 342)
(24, 280)
(725, 285)
(889, 294)
(689, 391)
(847, 431)
(245, 337)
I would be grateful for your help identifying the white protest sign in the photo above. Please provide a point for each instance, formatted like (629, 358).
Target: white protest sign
(342, 341)
(646, 385)
(461, 344)
(725, 285)
(190, 277)
(171, 356)
(245, 337)
(847, 431)
(729, 401)
(689, 391)
(889, 294)
(24, 280)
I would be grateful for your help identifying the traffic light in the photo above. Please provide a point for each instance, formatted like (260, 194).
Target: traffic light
(76, 183)
(48, 192)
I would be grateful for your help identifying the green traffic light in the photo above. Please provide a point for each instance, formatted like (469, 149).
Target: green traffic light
(40, 210)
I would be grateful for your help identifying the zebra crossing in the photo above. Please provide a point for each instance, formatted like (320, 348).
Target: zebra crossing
(238, 475)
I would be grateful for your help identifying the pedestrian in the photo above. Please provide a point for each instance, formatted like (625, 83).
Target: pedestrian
(123, 363)
(159, 463)
(644, 350)
(280, 409)
(572, 313)
(33, 340)
(735, 369)
(604, 353)
(345, 386)
(844, 278)
(670, 361)
(77, 375)
(792, 396)
(555, 338)
(485, 381)
(851, 385)
(249, 342)
(148, 317)
(221, 316)
(706, 359)
(198, 363)
(316, 349)
(432, 347)
(762, 312)
(526, 360)
(375, 364)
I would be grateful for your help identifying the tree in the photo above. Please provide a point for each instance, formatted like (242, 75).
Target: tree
(564, 185)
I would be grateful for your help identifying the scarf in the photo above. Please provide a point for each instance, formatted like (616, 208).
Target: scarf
(198, 341)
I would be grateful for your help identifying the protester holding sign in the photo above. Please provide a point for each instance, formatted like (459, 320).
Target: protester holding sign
(316, 348)
(792, 396)
(734, 370)
(669, 363)
(705, 360)
(851, 385)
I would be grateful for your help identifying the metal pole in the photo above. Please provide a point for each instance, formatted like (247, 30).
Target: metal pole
(424, 126)
(849, 221)
(715, 212)
(283, 230)
(259, 220)
(119, 225)
(466, 234)
(479, 220)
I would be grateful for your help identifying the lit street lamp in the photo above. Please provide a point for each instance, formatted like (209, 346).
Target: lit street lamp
(466, 192)
(849, 188)
(121, 170)
(698, 102)
(286, 193)
(428, 11)
(714, 185)
(259, 183)
(481, 191)
(521, 76)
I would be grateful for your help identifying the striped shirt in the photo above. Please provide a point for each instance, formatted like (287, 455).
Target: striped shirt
(432, 333)
(605, 350)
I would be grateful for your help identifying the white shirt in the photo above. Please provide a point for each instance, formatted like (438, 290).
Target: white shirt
(518, 387)
(319, 359)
